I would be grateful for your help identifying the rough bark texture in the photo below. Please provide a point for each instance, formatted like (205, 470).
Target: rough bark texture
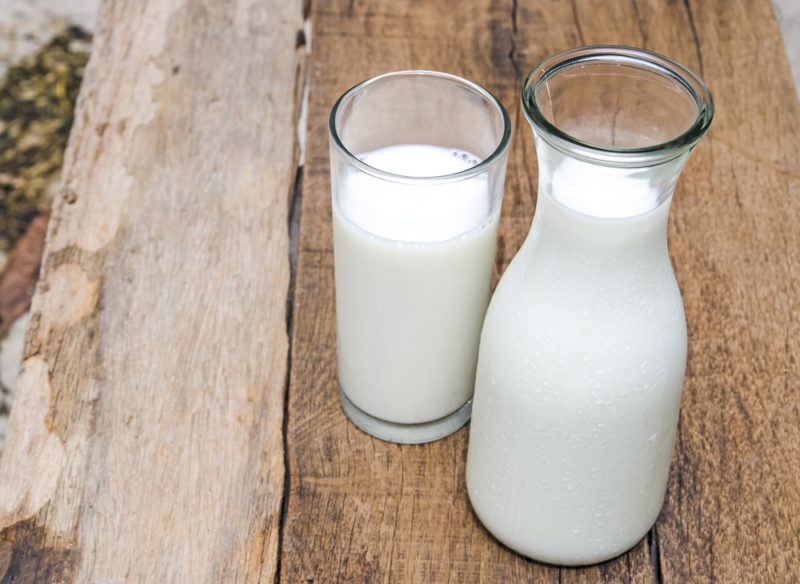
(149, 437)
(146, 443)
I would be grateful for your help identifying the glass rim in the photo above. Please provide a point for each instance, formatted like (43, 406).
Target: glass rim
(470, 172)
(694, 86)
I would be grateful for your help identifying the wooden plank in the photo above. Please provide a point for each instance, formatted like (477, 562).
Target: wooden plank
(363, 510)
(733, 509)
(146, 442)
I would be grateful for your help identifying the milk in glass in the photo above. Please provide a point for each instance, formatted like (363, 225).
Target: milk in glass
(413, 264)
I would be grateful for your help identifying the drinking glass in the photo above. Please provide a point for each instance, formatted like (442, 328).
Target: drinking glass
(418, 161)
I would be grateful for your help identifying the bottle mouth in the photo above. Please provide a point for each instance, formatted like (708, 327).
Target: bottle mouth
(617, 106)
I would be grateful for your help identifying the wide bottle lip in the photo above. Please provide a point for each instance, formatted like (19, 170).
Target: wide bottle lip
(632, 57)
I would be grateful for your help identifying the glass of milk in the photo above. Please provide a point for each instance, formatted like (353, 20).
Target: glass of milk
(418, 161)
(584, 346)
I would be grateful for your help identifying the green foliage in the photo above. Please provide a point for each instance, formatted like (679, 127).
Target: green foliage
(37, 99)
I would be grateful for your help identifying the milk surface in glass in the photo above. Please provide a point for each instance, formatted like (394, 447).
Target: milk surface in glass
(413, 265)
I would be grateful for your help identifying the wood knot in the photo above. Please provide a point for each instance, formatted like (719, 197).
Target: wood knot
(67, 296)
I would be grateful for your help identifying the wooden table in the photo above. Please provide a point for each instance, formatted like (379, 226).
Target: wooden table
(178, 418)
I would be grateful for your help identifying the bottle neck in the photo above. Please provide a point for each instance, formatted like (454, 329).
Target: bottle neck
(594, 261)
(562, 230)
(593, 209)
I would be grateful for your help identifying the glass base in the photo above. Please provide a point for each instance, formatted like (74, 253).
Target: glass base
(405, 433)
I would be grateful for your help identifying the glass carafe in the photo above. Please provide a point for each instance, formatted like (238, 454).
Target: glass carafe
(583, 350)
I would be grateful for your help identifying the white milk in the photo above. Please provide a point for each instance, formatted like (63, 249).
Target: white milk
(413, 265)
(580, 374)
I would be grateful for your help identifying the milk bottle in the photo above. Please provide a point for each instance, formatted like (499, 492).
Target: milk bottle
(584, 345)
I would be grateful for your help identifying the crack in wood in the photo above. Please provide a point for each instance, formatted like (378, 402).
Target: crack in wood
(695, 37)
(577, 22)
(654, 549)
(640, 22)
(293, 227)
(512, 54)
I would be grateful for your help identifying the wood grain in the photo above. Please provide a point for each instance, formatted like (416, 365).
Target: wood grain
(360, 510)
(733, 510)
(146, 443)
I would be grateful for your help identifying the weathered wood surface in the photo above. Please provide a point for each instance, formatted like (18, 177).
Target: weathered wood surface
(148, 441)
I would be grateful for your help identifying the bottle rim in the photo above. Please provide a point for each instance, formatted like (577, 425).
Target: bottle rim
(610, 155)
